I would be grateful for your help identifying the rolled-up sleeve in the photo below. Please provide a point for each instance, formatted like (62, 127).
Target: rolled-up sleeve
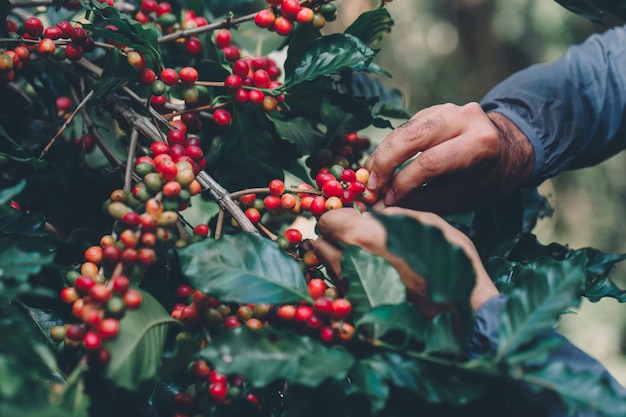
(572, 110)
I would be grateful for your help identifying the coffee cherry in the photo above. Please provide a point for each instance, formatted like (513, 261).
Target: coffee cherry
(201, 230)
(75, 332)
(286, 312)
(318, 21)
(333, 203)
(223, 38)
(283, 26)
(233, 82)
(231, 53)
(33, 26)
(303, 313)
(287, 201)
(327, 334)
(253, 215)
(317, 287)
(232, 322)
(305, 15)
(146, 77)
(265, 18)
(277, 187)
(261, 78)
(188, 75)
(289, 8)
(341, 308)
(63, 104)
(218, 391)
(53, 32)
(271, 202)
(222, 118)
(163, 8)
(201, 369)
(193, 46)
(109, 328)
(256, 97)
(92, 341)
(169, 76)
(318, 206)
(294, 236)
(132, 299)
(241, 68)
(183, 401)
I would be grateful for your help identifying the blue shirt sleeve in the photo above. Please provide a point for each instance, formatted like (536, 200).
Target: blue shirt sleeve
(485, 339)
(572, 110)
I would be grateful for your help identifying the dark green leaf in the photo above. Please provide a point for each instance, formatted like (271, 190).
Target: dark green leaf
(8, 194)
(385, 319)
(441, 337)
(303, 36)
(5, 9)
(370, 26)
(249, 156)
(32, 162)
(129, 32)
(498, 227)
(329, 54)
(585, 8)
(183, 353)
(5, 135)
(116, 73)
(436, 383)
(299, 132)
(18, 264)
(372, 281)
(268, 354)
(136, 352)
(244, 268)
(445, 267)
(580, 391)
(366, 380)
(546, 289)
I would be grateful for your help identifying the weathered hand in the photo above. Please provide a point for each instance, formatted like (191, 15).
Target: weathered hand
(468, 159)
(348, 226)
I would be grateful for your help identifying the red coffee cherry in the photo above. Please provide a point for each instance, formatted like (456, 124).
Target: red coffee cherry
(146, 77)
(73, 51)
(169, 76)
(277, 187)
(222, 118)
(33, 26)
(223, 38)
(241, 68)
(283, 26)
(264, 18)
(188, 75)
(193, 46)
(233, 82)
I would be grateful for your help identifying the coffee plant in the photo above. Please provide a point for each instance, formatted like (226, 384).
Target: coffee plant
(156, 158)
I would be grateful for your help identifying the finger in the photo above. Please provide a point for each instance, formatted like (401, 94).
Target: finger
(426, 129)
(447, 158)
(330, 255)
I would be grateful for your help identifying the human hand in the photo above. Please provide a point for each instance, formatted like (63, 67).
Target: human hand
(363, 230)
(469, 159)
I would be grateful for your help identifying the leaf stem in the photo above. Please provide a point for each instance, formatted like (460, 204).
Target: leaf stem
(132, 147)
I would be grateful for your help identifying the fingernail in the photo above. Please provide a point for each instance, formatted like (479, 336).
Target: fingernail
(390, 197)
(372, 181)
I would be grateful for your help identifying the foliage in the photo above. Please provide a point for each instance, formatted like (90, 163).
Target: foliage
(384, 357)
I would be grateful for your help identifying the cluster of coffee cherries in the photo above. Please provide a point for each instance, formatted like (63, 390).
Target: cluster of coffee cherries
(326, 318)
(96, 303)
(74, 42)
(346, 149)
(337, 187)
(250, 76)
(282, 14)
(214, 386)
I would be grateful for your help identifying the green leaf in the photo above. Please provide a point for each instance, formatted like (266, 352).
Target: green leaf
(580, 391)
(302, 37)
(129, 32)
(7, 194)
(32, 162)
(329, 54)
(441, 337)
(370, 26)
(299, 132)
(18, 264)
(243, 268)
(446, 268)
(367, 380)
(136, 352)
(372, 281)
(546, 289)
(116, 73)
(385, 320)
(268, 354)
(584, 8)
(249, 156)
(435, 383)
(597, 283)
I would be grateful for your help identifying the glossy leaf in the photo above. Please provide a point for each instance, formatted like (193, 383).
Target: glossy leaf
(249, 156)
(18, 264)
(580, 391)
(299, 132)
(243, 268)
(129, 32)
(435, 383)
(383, 320)
(329, 54)
(441, 337)
(370, 26)
(303, 36)
(445, 267)
(546, 289)
(269, 354)
(136, 352)
(372, 281)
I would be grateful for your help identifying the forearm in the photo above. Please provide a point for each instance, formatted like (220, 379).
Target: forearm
(571, 111)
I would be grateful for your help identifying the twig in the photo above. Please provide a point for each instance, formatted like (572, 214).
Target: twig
(195, 109)
(220, 224)
(132, 147)
(228, 23)
(267, 232)
(65, 124)
(31, 3)
(210, 83)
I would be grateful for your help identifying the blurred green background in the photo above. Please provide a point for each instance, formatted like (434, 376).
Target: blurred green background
(455, 51)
